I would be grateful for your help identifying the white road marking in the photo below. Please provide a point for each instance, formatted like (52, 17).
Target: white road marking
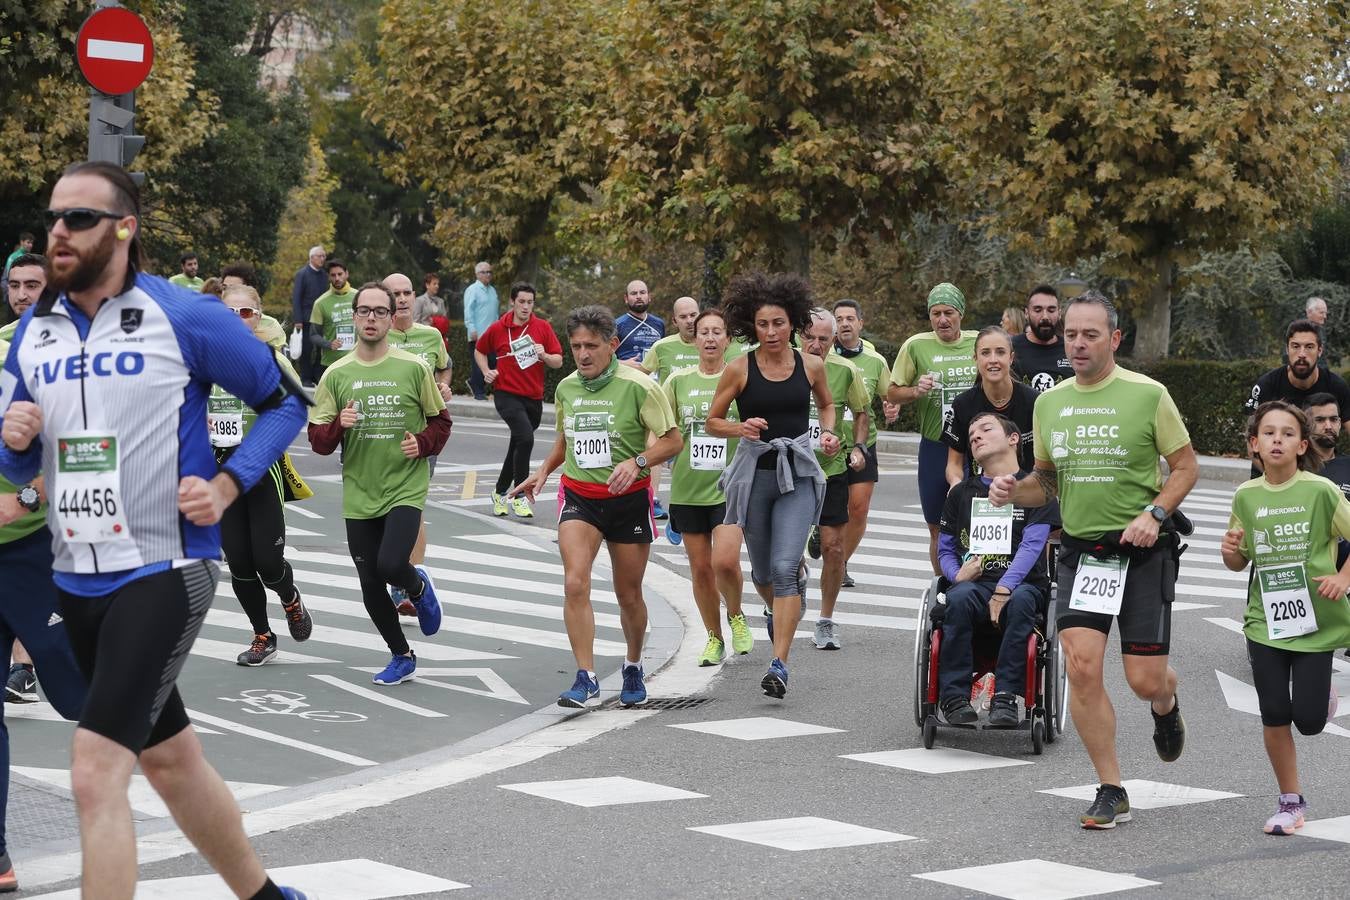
(381, 697)
(248, 731)
(803, 833)
(1036, 879)
(142, 796)
(607, 791)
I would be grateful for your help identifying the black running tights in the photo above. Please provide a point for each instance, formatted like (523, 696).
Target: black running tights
(380, 548)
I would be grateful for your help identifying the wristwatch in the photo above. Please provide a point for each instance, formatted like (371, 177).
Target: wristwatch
(641, 461)
(1157, 512)
(29, 498)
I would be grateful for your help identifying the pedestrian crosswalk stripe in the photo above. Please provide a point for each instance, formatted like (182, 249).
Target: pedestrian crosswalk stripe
(605, 791)
(346, 879)
(803, 833)
(227, 652)
(363, 640)
(142, 796)
(508, 541)
(942, 761)
(382, 697)
(1146, 794)
(1032, 879)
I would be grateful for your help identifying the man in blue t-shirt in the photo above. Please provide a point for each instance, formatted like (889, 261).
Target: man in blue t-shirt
(637, 328)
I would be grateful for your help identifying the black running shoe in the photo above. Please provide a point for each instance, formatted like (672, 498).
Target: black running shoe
(263, 648)
(1111, 807)
(848, 580)
(298, 619)
(21, 685)
(1169, 732)
(813, 543)
(958, 711)
(1003, 710)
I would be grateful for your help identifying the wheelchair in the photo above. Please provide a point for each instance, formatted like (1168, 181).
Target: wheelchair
(1045, 693)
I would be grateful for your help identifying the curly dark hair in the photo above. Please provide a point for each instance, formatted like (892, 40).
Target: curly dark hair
(746, 294)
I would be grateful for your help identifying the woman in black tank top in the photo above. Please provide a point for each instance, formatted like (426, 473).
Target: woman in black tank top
(772, 386)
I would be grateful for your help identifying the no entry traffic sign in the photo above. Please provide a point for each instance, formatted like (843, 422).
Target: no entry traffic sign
(115, 50)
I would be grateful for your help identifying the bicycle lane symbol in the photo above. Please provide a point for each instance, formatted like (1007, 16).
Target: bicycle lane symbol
(267, 702)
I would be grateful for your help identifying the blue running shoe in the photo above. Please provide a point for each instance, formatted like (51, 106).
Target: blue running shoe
(581, 693)
(673, 535)
(399, 670)
(634, 691)
(774, 683)
(658, 511)
(768, 622)
(292, 893)
(428, 607)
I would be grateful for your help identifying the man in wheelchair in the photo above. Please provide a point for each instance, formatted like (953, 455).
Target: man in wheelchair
(992, 559)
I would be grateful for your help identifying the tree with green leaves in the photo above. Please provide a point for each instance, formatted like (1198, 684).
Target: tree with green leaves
(768, 127)
(308, 220)
(44, 118)
(484, 103)
(1145, 133)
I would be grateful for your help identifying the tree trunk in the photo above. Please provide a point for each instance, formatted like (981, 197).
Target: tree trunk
(796, 249)
(714, 254)
(533, 230)
(1153, 323)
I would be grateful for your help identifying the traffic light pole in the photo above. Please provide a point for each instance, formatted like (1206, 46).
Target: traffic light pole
(111, 135)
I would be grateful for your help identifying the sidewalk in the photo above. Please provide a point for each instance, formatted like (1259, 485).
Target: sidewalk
(1213, 468)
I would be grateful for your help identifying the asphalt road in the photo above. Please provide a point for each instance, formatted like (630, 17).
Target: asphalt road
(457, 795)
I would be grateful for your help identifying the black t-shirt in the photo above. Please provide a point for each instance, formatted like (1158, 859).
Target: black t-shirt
(956, 522)
(1274, 385)
(1337, 469)
(969, 404)
(1040, 365)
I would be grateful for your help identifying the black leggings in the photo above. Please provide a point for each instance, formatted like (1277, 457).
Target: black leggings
(253, 538)
(521, 415)
(1306, 705)
(380, 548)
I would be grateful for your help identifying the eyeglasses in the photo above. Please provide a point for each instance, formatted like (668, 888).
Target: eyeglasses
(247, 312)
(80, 218)
(372, 312)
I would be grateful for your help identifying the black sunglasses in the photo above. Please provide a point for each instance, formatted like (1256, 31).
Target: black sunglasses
(80, 218)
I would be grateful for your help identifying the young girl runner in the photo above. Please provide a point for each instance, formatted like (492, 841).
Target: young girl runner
(1287, 522)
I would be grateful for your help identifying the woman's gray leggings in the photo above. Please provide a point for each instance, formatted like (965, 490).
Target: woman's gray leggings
(776, 528)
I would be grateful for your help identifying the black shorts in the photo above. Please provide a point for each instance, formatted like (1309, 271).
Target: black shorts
(131, 645)
(1145, 611)
(690, 519)
(869, 471)
(625, 519)
(834, 511)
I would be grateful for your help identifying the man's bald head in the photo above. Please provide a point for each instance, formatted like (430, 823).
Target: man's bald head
(400, 287)
(685, 313)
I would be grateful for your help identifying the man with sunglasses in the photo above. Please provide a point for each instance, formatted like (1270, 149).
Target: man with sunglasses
(105, 391)
(382, 406)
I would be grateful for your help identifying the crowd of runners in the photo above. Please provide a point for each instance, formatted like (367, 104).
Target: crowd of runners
(145, 430)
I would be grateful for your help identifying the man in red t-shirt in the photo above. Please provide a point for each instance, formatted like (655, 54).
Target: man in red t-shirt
(521, 341)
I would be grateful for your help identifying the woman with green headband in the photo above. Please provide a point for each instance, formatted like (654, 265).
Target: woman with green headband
(931, 370)
(604, 413)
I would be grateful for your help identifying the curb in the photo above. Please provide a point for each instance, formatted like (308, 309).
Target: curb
(1212, 468)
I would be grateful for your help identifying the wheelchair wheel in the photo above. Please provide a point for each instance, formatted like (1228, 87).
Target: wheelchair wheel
(1050, 688)
(1038, 735)
(922, 631)
(929, 734)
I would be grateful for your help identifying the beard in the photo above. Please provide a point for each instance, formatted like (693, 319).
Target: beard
(1302, 369)
(1324, 441)
(1044, 330)
(86, 271)
(638, 307)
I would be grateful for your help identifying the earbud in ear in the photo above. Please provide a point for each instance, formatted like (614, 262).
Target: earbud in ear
(123, 233)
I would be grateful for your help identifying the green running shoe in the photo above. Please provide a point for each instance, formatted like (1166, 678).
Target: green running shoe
(499, 507)
(714, 653)
(742, 641)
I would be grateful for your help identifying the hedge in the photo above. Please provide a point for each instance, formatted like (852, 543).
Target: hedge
(1208, 393)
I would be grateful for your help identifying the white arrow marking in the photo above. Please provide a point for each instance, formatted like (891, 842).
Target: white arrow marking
(494, 685)
(121, 51)
(1238, 694)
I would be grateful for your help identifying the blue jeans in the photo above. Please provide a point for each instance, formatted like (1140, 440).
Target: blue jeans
(967, 606)
(27, 608)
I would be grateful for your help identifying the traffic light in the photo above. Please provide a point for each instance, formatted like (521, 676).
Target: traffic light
(110, 131)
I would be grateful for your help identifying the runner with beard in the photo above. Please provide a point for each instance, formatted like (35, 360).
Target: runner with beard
(1324, 421)
(1039, 359)
(119, 430)
(1298, 381)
